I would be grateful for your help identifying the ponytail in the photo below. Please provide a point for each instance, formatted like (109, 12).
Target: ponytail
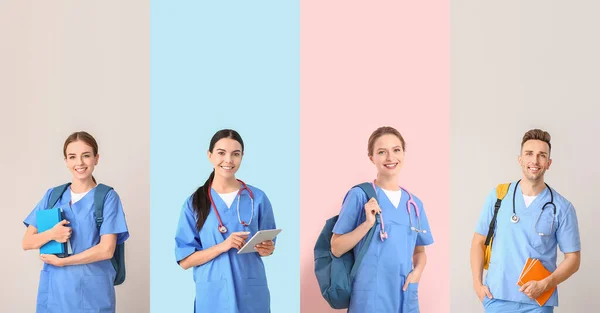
(201, 201)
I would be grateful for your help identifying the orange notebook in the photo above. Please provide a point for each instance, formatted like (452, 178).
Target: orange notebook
(535, 270)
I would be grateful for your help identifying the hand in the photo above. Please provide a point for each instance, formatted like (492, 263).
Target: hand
(413, 277)
(372, 208)
(265, 248)
(235, 241)
(60, 232)
(52, 260)
(533, 288)
(482, 291)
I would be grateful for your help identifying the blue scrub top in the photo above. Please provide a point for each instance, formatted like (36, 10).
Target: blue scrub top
(515, 242)
(230, 282)
(87, 287)
(382, 273)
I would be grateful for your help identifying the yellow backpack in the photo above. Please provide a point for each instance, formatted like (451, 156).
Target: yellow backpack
(501, 192)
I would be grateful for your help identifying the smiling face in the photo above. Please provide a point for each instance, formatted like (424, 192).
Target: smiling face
(387, 155)
(226, 157)
(535, 160)
(80, 160)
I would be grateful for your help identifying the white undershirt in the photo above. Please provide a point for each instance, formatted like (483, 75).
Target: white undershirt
(77, 196)
(528, 200)
(228, 197)
(394, 196)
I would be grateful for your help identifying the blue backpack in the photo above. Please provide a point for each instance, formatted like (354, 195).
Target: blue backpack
(118, 259)
(335, 275)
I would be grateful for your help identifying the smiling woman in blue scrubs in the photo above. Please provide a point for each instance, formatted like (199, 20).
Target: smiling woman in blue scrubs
(83, 281)
(389, 274)
(527, 226)
(214, 224)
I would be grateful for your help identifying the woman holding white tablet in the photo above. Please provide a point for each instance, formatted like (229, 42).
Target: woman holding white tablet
(214, 224)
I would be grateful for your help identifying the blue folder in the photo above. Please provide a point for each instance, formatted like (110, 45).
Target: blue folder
(46, 219)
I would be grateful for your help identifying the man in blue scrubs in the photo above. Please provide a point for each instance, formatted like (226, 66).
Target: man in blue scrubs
(527, 226)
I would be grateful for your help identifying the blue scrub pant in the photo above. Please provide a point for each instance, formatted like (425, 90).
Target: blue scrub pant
(502, 306)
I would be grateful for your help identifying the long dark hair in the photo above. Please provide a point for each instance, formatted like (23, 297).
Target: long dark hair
(200, 200)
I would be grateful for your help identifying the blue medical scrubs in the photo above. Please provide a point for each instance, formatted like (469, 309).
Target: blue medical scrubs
(497, 305)
(515, 242)
(231, 282)
(86, 288)
(385, 266)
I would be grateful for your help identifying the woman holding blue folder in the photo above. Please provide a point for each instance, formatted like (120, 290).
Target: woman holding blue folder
(388, 276)
(215, 222)
(83, 280)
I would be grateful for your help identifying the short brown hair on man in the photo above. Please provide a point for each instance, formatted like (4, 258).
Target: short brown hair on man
(537, 134)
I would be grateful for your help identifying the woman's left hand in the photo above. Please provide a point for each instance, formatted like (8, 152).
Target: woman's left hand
(52, 260)
(265, 248)
(413, 277)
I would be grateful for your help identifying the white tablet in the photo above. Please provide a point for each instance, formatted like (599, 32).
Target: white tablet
(260, 236)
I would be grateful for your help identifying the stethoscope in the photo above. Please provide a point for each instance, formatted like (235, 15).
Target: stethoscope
(515, 219)
(410, 203)
(222, 227)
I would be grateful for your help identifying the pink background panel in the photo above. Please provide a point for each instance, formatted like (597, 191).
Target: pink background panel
(365, 65)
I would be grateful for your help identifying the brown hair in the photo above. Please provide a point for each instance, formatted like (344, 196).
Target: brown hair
(537, 134)
(85, 137)
(384, 131)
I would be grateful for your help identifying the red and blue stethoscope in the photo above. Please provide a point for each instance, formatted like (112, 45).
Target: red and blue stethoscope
(410, 203)
(222, 227)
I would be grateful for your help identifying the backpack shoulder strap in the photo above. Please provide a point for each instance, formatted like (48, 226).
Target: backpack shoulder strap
(55, 194)
(501, 191)
(371, 193)
(368, 190)
(99, 197)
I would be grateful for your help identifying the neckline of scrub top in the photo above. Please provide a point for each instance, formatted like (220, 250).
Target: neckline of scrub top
(228, 198)
(536, 203)
(403, 194)
(528, 199)
(389, 193)
(218, 201)
(69, 191)
(78, 196)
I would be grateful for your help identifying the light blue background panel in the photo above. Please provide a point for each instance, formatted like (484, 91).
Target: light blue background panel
(221, 65)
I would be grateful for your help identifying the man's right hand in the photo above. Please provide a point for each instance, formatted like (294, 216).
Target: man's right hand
(482, 291)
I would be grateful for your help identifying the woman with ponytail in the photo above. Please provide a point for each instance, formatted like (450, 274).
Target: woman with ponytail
(80, 281)
(214, 224)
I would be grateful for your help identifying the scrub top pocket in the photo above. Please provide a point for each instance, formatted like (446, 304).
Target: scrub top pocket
(43, 290)
(411, 299)
(92, 298)
(256, 289)
(546, 225)
(212, 297)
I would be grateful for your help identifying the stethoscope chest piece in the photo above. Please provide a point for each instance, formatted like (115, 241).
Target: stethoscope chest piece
(424, 231)
(514, 218)
(222, 229)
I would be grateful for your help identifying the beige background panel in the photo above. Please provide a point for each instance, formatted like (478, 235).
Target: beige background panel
(69, 66)
(517, 65)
